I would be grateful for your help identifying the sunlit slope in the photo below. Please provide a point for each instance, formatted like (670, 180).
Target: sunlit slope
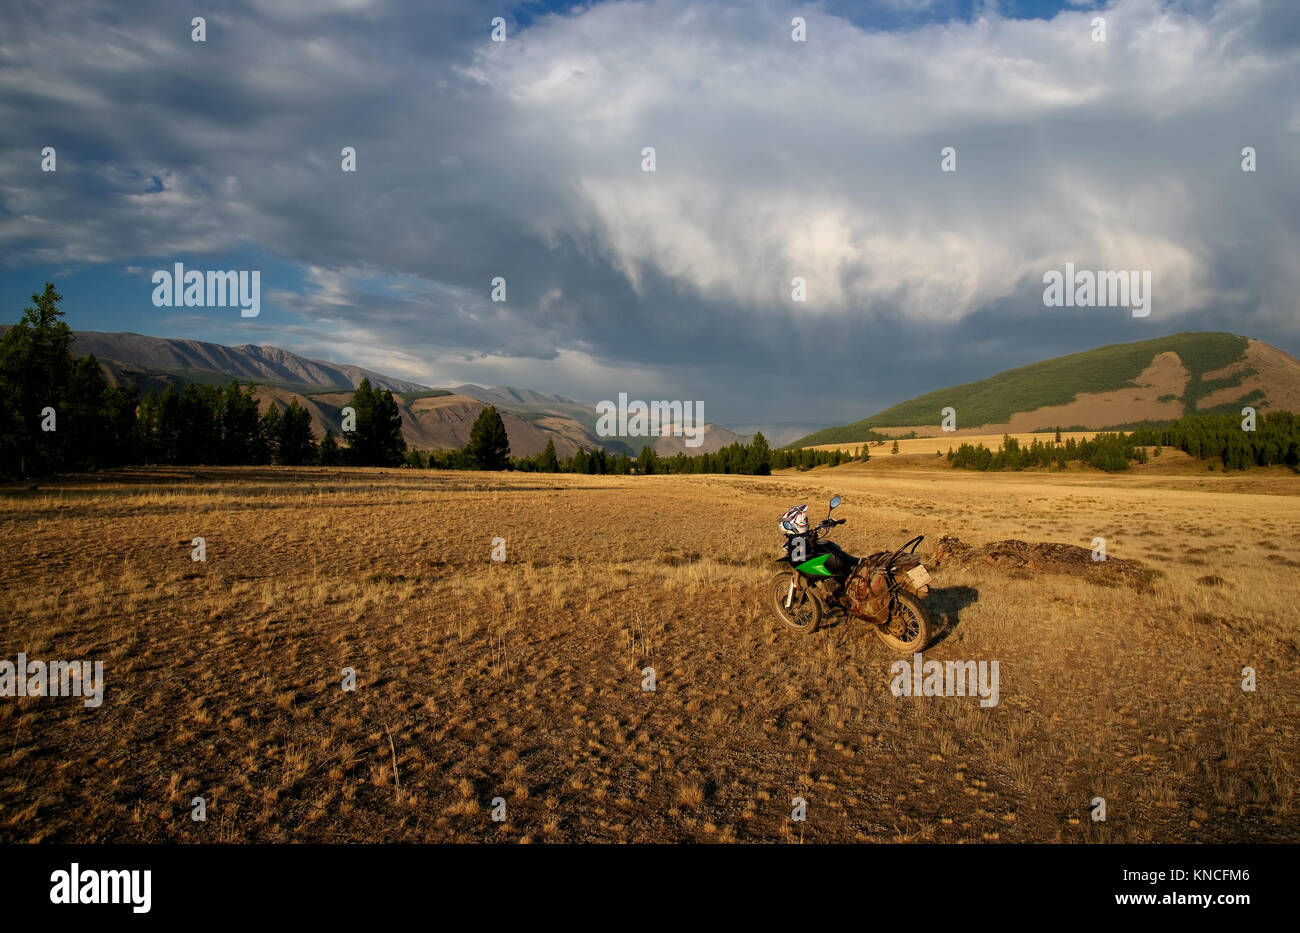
(1151, 380)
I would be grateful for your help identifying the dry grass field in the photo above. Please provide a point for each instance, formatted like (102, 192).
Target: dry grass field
(521, 679)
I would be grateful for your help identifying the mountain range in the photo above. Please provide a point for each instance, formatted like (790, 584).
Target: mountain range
(1114, 386)
(432, 418)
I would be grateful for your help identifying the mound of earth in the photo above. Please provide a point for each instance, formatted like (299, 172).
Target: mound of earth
(1025, 559)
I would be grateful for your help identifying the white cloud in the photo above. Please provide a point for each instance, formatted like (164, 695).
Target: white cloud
(779, 158)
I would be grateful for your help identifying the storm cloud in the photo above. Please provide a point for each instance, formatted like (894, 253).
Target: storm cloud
(775, 159)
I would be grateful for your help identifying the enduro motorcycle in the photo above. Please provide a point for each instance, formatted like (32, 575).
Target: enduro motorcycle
(886, 589)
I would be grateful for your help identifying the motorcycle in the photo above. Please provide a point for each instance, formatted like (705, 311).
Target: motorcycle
(885, 589)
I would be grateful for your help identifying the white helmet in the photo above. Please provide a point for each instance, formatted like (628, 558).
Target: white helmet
(795, 520)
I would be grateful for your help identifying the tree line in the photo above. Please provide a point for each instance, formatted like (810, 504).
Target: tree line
(754, 458)
(757, 458)
(1111, 452)
(59, 414)
(223, 425)
(1275, 440)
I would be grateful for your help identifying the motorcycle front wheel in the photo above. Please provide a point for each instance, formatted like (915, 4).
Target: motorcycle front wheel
(805, 611)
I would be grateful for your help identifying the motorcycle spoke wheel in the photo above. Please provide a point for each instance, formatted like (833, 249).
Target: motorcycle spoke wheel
(805, 610)
(908, 628)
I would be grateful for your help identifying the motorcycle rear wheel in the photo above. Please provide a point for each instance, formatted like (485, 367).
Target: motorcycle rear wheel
(908, 628)
(805, 612)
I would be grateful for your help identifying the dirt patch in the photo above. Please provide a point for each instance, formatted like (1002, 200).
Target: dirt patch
(1166, 376)
(1275, 373)
(1024, 559)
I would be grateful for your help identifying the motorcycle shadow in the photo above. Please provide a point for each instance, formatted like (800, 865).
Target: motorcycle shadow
(945, 605)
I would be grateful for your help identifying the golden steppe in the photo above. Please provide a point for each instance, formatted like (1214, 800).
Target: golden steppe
(522, 679)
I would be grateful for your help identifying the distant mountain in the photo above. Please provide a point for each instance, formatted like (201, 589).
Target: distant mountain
(437, 420)
(1112, 386)
(198, 361)
(541, 409)
(432, 418)
(778, 435)
(512, 397)
(715, 438)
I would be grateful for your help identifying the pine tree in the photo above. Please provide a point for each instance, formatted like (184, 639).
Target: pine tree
(239, 425)
(388, 429)
(124, 445)
(199, 440)
(377, 436)
(758, 462)
(362, 447)
(35, 368)
(269, 436)
(148, 428)
(329, 450)
(83, 418)
(547, 461)
(296, 445)
(894, 449)
(489, 446)
(169, 426)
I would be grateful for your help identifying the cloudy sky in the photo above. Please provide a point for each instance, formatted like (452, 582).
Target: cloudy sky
(774, 159)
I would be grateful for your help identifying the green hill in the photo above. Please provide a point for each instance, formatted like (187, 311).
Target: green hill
(1055, 382)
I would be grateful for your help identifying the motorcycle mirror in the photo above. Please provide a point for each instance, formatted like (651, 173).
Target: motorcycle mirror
(835, 501)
